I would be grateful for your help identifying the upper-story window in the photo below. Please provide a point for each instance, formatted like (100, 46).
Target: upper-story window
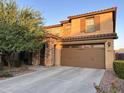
(90, 25)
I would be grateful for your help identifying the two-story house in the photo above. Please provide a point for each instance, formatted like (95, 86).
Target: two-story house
(85, 40)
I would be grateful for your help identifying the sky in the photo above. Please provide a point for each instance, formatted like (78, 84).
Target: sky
(54, 11)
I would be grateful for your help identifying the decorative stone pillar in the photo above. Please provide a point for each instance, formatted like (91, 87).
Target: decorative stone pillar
(49, 52)
(51, 41)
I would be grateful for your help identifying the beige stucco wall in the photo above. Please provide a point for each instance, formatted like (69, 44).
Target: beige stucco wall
(75, 26)
(106, 21)
(66, 29)
(56, 30)
(58, 54)
(106, 26)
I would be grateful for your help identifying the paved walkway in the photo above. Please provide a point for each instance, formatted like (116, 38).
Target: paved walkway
(54, 80)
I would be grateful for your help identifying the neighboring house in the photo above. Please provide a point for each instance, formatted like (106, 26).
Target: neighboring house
(119, 54)
(85, 40)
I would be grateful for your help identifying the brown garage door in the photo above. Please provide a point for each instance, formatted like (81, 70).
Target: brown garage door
(91, 56)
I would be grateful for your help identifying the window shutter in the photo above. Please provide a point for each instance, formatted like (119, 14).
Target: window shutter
(97, 22)
(82, 25)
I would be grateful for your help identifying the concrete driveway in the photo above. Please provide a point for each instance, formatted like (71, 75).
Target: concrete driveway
(54, 80)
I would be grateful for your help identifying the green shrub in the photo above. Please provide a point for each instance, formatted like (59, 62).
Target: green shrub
(5, 74)
(118, 66)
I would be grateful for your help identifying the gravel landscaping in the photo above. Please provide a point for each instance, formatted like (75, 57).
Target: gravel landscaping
(110, 79)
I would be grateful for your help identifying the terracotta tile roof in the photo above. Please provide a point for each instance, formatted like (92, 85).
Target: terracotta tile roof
(94, 13)
(90, 37)
(83, 38)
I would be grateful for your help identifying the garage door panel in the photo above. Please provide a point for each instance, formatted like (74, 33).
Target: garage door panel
(83, 57)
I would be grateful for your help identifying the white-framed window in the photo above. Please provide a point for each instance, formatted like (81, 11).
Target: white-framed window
(90, 25)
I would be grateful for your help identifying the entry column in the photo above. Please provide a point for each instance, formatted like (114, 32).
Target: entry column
(49, 52)
(58, 54)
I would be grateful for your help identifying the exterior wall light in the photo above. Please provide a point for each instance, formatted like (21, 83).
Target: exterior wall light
(109, 44)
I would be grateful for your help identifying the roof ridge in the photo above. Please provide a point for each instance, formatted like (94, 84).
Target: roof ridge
(103, 10)
(112, 9)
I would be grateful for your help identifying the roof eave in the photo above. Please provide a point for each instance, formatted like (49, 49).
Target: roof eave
(113, 9)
